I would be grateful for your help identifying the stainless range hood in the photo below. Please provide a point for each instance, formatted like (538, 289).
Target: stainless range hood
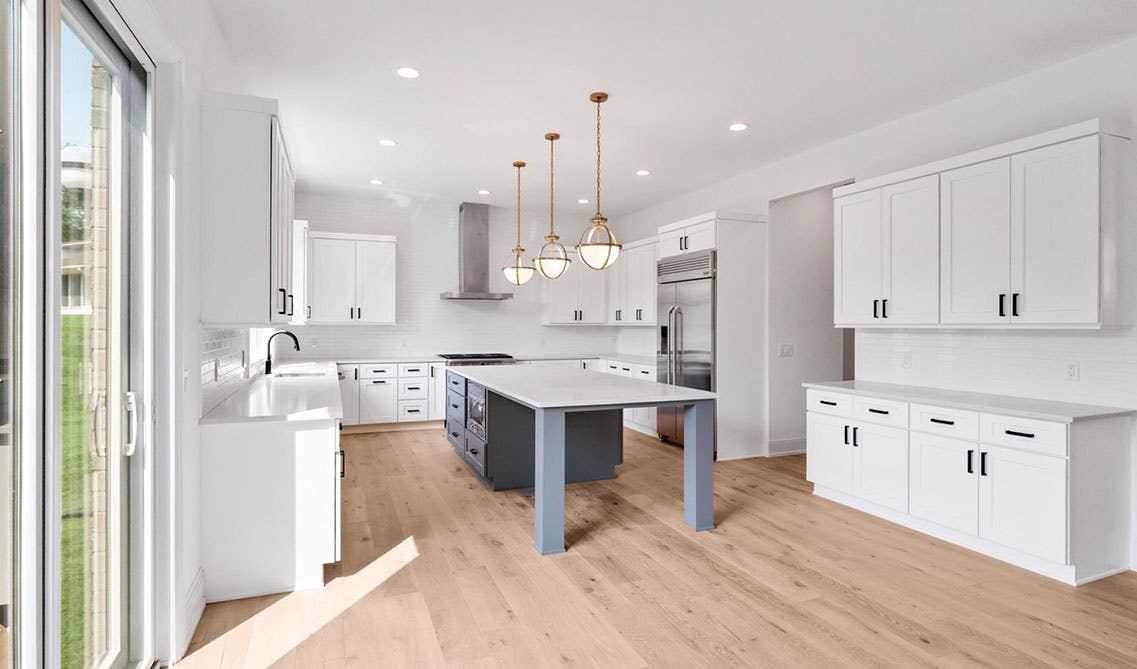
(473, 255)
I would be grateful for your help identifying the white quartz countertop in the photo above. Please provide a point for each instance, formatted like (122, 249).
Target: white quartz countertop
(431, 357)
(314, 395)
(1022, 407)
(548, 387)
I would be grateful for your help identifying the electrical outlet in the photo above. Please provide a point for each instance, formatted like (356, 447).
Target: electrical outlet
(786, 351)
(906, 361)
(1073, 371)
(216, 369)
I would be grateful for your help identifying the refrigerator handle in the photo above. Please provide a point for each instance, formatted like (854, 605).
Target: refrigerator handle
(678, 345)
(670, 346)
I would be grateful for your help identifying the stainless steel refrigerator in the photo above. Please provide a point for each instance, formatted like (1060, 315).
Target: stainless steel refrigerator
(685, 342)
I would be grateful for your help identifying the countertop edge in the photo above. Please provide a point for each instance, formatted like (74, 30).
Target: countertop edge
(1098, 412)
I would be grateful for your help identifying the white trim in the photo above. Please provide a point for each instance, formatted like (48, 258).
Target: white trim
(780, 447)
(718, 215)
(641, 429)
(321, 234)
(1065, 133)
(193, 604)
(1059, 572)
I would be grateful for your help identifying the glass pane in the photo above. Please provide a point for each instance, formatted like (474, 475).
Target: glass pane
(91, 333)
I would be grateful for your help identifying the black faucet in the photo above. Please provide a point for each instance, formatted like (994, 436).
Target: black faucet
(268, 359)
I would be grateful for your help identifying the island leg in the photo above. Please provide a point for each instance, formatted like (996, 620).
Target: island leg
(549, 482)
(698, 462)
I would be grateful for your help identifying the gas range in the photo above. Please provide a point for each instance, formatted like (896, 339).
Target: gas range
(461, 359)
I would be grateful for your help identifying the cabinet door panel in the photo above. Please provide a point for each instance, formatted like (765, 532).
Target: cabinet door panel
(671, 243)
(828, 460)
(331, 280)
(911, 233)
(278, 233)
(700, 237)
(975, 237)
(592, 294)
(647, 293)
(880, 465)
(858, 259)
(942, 489)
(1055, 233)
(349, 393)
(378, 401)
(619, 284)
(375, 282)
(561, 296)
(1022, 502)
(437, 391)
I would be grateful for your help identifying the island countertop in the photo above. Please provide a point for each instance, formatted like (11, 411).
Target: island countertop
(307, 391)
(542, 387)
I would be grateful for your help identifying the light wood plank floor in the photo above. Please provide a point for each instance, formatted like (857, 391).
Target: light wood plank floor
(438, 570)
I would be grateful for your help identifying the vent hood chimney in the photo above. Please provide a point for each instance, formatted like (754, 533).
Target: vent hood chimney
(473, 255)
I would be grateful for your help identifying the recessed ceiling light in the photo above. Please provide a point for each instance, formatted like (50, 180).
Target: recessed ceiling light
(407, 72)
(738, 127)
(483, 192)
(387, 142)
(376, 182)
(582, 201)
(642, 173)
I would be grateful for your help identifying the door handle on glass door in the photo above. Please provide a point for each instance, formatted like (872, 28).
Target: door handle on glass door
(131, 404)
(98, 447)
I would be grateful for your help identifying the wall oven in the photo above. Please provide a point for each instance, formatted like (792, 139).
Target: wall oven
(476, 409)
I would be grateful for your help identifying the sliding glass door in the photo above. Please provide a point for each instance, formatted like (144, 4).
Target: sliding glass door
(97, 424)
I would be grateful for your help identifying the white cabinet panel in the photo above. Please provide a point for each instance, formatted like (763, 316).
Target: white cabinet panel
(880, 465)
(975, 243)
(618, 280)
(561, 295)
(579, 296)
(828, 459)
(349, 392)
(1023, 501)
(593, 293)
(331, 280)
(375, 282)
(944, 481)
(700, 237)
(911, 238)
(437, 391)
(1055, 233)
(671, 242)
(643, 310)
(378, 401)
(858, 258)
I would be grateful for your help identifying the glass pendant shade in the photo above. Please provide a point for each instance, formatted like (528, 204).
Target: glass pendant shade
(553, 260)
(518, 269)
(598, 247)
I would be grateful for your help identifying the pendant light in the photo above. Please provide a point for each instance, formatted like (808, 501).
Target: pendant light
(519, 269)
(598, 247)
(553, 259)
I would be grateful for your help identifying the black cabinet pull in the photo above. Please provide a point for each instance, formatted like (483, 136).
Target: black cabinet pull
(455, 406)
(474, 452)
(941, 421)
(355, 373)
(283, 301)
(379, 381)
(846, 435)
(413, 411)
(1014, 304)
(309, 308)
(454, 434)
(875, 307)
(291, 303)
(971, 461)
(343, 463)
(1002, 304)
(855, 437)
(351, 313)
(880, 411)
(414, 387)
(983, 463)
(359, 313)
(828, 403)
(1016, 433)
(884, 308)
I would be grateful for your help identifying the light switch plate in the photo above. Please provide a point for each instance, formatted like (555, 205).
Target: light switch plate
(1073, 370)
(785, 350)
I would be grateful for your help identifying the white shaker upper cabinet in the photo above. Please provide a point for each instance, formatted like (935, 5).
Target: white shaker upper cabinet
(1055, 233)
(911, 237)
(858, 258)
(975, 241)
(375, 281)
(331, 280)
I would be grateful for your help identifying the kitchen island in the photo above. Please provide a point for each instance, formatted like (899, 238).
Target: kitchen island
(554, 393)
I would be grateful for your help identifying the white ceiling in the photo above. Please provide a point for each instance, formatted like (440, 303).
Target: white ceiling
(497, 75)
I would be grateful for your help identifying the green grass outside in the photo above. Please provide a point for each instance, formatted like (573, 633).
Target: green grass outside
(76, 533)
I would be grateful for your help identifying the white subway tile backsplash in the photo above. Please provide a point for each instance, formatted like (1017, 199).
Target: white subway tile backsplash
(223, 364)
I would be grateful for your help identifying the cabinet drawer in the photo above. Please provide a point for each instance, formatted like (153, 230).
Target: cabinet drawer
(1024, 434)
(411, 410)
(954, 423)
(413, 369)
(455, 433)
(644, 372)
(610, 366)
(836, 404)
(455, 383)
(882, 412)
(412, 389)
(456, 406)
(378, 370)
(476, 452)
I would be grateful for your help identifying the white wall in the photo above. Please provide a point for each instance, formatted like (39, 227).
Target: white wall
(1100, 83)
(427, 232)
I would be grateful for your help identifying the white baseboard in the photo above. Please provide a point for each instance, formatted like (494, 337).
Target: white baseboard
(193, 606)
(782, 447)
(642, 429)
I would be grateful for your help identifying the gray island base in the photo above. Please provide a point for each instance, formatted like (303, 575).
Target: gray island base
(555, 395)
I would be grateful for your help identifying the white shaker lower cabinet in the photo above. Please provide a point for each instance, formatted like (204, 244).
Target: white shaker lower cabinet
(349, 392)
(1049, 494)
(437, 391)
(378, 401)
